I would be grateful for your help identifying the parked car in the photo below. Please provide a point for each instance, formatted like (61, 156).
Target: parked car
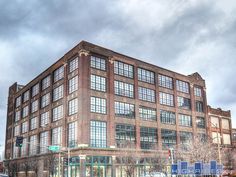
(154, 174)
(3, 175)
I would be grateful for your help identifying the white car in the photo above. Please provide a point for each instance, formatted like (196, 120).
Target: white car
(154, 174)
(4, 175)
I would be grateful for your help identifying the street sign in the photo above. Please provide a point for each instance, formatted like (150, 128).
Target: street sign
(198, 168)
(54, 148)
(184, 168)
(213, 165)
(174, 169)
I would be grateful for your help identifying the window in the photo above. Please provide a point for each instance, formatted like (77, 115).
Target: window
(200, 122)
(98, 105)
(146, 94)
(125, 135)
(33, 144)
(184, 103)
(26, 96)
(215, 122)
(123, 69)
(35, 90)
(225, 124)
(124, 109)
(25, 111)
(73, 84)
(216, 138)
(33, 123)
(18, 101)
(168, 138)
(148, 138)
(44, 119)
(182, 86)
(186, 138)
(198, 91)
(58, 93)
(17, 130)
(73, 106)
(24, 147)
(46, 82)
(98, 83)
(15, 151)
(226, 139)
(98, 134)
(166, 99)
(57, 113)
(124, 89)
(24, 127)
(34, 106)
(44, 142)
(165, 81)
(45, 100)
(199, 106)
(146, 113)
(146, 76)
(73, 64)
(56, 136)
(17, 116)
(98, 63)
(167, 117)
(72, 134)
(185, 120)
(59, 74)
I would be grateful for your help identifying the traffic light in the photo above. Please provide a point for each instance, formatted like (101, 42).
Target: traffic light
(19, 141)
(65, 161)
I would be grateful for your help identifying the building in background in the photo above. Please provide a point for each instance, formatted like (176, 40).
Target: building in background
(97, 104)
(220, 126)
(234, 136)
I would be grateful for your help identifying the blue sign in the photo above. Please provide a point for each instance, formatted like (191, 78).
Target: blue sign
(213, 167)
(191, 169)
(198, 168)
(219, 169)
(174, 169)
(184, 168)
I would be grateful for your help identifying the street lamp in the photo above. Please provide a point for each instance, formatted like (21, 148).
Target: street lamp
(218, 139)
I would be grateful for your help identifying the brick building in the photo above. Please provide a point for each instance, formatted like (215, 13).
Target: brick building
(220, 123)
(93, 101)
(234, 137)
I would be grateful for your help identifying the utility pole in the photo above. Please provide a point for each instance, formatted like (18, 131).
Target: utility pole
(68, 151)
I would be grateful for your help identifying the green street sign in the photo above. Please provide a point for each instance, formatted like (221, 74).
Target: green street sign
(54, 148)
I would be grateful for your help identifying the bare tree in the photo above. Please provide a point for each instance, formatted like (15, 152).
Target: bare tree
(25, 166)
(199, 149)
(34, 165)
(51, 163)
(129, 158)
(228, 158)
(12, 168)
(157, 162)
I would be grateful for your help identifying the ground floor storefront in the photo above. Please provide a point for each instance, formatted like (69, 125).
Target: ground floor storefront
(88, 163)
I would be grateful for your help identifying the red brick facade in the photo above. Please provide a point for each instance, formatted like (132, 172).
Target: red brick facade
(84, 51)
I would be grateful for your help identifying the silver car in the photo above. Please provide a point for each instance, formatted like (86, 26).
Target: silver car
(154, 174)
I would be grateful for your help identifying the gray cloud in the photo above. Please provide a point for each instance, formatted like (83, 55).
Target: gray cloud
(185, 36)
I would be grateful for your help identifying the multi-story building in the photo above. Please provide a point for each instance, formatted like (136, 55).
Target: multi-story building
(98, 102)
(220, 126)
(234, 136)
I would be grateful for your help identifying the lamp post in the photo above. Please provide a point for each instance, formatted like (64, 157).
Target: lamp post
(218, 139)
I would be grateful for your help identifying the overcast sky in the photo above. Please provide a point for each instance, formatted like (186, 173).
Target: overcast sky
(186, 36)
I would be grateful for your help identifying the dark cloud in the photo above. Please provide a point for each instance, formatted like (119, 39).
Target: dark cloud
(185, 36)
